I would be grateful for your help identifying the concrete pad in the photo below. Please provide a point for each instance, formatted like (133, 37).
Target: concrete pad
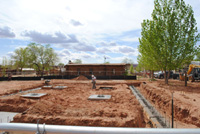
(6, 117)
(99, 97)
(59, 87)
(34, 95)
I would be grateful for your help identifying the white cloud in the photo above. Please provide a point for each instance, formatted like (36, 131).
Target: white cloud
(100, 16)
(58, 37)
(121, 58)
(125, 50)
(84, 29)
(75, 23)
(129, 39)
(85, 57)
(84, 47)
(106, 44)
(9, 54)
(5, 32)
(103, 50)
(63, 53)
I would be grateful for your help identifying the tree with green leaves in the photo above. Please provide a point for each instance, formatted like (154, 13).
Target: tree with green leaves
(169, 39)
(131, 69)
(20, 58)
(197, 58)
(4, 66)
(61, 65)
(41, 57)
(148, 48)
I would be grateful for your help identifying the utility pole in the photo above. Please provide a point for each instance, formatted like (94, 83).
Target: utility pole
(104, 59)
(172, 111)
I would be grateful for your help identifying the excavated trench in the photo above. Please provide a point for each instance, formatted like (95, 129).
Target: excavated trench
(152, 114)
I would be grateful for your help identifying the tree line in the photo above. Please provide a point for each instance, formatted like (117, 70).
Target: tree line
(37, 56)
(168, 40)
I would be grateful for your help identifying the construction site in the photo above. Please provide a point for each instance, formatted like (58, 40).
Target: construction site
(137, 103)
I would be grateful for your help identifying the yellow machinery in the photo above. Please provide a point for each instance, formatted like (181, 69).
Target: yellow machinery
(193, 73)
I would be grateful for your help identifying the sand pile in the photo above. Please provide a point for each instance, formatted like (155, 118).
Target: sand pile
(81, 77)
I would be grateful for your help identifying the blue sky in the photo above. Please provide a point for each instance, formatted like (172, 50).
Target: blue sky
(78, 29)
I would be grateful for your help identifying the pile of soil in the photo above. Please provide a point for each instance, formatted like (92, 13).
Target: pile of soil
(185, 99)
(71, 107)
(81, 77)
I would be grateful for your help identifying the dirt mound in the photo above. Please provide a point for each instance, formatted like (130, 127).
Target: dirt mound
(45, 108)
(81, 77)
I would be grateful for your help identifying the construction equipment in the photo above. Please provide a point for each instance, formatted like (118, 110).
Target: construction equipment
(193, 72)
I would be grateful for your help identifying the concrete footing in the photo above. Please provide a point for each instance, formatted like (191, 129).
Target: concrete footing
(152, 114)
(34, 95)
(99, 97)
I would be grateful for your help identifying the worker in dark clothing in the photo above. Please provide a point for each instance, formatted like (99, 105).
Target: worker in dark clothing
(93, 82)
(9, 77)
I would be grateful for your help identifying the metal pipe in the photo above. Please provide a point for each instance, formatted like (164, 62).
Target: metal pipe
(19, 128)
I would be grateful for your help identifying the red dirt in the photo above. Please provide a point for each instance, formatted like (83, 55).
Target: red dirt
(71, 106)
(9, 87)
(186, 108)
(15, 104)
(81, 77)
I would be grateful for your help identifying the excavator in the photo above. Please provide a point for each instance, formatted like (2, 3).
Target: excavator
(193, 73)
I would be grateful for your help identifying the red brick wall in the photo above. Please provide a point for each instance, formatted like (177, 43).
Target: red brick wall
(97, 70)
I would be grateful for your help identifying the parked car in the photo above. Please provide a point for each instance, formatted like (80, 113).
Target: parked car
(156, 74)
(161, 75)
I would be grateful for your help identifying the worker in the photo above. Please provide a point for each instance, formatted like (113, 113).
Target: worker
(9, 77)
(93, 82)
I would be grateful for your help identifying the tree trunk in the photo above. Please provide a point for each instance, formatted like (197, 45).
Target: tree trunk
(185, 79)
(42, 73)
(166, 78)
(152, 74)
